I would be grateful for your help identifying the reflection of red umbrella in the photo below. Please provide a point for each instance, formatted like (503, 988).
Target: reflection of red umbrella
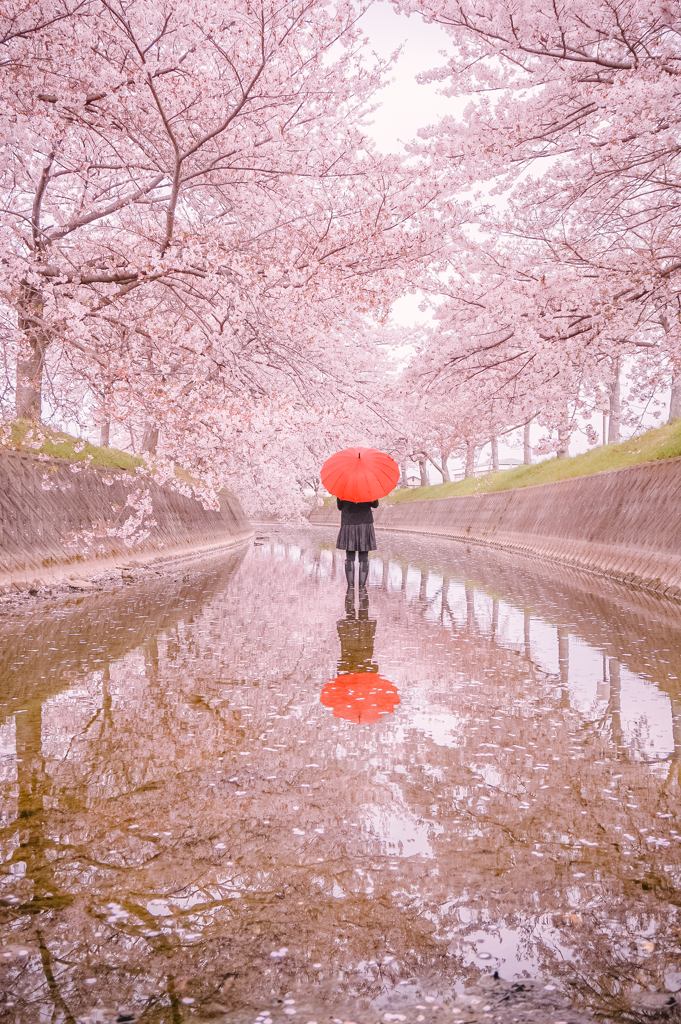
(360, 474)
(360, 697)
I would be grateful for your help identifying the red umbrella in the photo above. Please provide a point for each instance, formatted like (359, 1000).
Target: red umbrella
(360, 697)
(360, 474)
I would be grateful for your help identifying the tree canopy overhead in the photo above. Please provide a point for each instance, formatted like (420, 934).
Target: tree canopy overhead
(570, 137)
(196, 228)
(199, 237)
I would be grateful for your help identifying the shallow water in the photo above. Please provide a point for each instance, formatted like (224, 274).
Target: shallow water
(229, 794)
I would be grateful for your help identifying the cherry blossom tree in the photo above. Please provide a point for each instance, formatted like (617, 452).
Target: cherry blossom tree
(571, 126)
(193, 220)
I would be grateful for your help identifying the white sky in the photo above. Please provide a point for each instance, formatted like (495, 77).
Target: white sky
(406, 105)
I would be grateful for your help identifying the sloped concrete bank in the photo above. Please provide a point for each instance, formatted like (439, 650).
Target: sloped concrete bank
(62, 523)
(623, 523)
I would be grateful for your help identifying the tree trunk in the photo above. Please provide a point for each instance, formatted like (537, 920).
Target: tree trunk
(675, 399)
(29, 386)
(104, 433)
(423, 470)
(30, 371)
(494, 444)
(446, 478)
(470, 460)
(614, 396)
(527, 447)
(563, 451)
(150, 438)
(403, 469)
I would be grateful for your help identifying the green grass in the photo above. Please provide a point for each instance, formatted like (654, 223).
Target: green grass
(661, 443)
(59, 445)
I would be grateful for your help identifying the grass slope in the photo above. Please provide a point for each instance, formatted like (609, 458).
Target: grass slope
(661, 443)
(62, 446)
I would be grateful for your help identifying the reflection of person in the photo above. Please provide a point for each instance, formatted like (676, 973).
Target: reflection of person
(358, 693)
(356, 534)
(356, 635)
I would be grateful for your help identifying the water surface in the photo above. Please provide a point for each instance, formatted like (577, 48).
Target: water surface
(229, 793)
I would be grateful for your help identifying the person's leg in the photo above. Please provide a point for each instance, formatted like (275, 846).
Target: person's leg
(350, 568)
(363, 568)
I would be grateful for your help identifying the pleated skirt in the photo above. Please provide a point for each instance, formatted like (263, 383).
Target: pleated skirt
(357, 538)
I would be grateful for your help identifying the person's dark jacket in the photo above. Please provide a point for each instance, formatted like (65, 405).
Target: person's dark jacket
(355, 512)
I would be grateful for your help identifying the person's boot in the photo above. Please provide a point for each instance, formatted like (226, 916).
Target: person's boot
(350, 573)
(363, 574)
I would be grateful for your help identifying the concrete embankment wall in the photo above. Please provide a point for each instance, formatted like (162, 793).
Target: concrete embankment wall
(623, 523)
(56, 518)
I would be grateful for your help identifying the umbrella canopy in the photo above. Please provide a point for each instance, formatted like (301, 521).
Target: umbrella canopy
(360, 474)
(360, 697)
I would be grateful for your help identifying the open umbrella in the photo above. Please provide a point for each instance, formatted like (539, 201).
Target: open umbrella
(360, 474)
(360, 697)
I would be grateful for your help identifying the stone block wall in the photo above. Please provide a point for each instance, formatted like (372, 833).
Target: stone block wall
(623, 523)
(54, 520)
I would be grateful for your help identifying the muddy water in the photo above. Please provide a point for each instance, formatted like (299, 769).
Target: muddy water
(230, 794)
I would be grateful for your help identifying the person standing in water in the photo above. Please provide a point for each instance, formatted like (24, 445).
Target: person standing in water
(356, 535)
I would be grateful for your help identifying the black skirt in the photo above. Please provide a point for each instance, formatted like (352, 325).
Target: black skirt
(357, 538)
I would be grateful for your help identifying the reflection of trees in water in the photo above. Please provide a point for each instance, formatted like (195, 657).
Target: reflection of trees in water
(644, 630)
(213, 866)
